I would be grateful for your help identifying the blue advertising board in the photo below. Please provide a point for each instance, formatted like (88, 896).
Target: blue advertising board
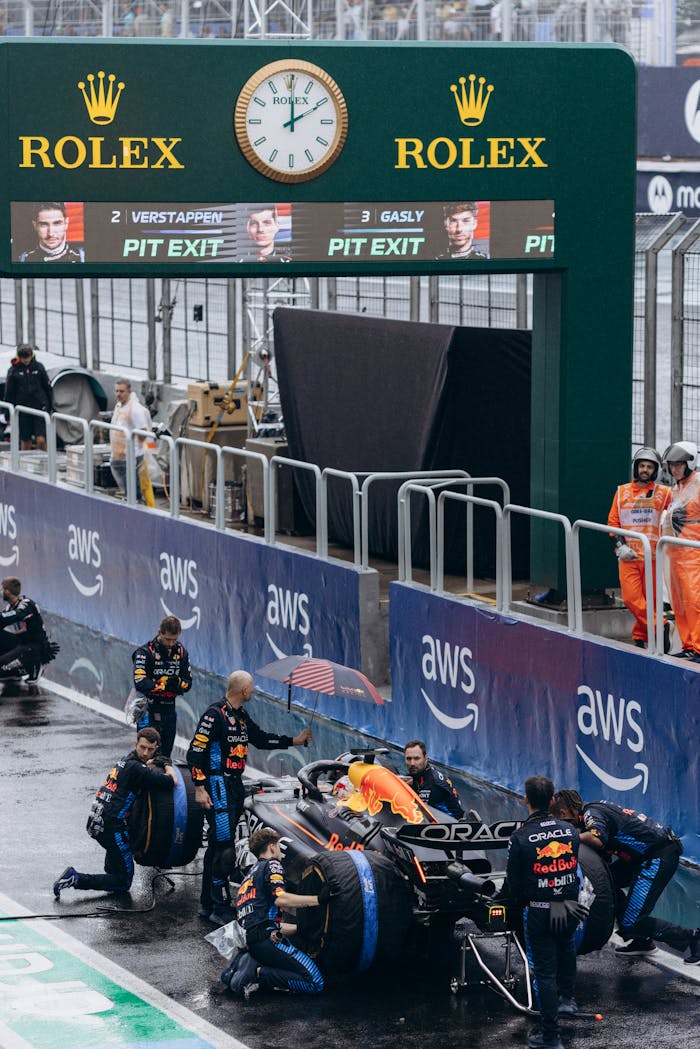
(506, 699)
(120, 569)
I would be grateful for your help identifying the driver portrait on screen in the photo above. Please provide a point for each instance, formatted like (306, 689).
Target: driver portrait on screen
(262, 227)
(50, 224)
(459, 220)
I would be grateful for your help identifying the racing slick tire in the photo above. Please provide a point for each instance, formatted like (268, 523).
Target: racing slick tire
(597, 929)
(367, 919)
(165, 827)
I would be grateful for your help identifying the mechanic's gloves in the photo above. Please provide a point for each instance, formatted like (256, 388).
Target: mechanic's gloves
(565, 915)
(625, 552)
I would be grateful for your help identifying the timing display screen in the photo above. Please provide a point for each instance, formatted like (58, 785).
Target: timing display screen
(450, 231)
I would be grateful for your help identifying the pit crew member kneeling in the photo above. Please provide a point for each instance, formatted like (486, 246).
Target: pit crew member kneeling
(271, 962)
(108, 822)
(646, 857)
(24, 645)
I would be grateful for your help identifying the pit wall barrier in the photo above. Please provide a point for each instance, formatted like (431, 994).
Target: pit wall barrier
(120, 570)
(506, 699)
(490, 693)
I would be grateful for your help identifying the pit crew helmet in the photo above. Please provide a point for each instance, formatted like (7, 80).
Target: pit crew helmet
(649, 455)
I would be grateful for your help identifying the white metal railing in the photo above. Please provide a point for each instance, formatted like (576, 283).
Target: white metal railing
(471, 501)
(542, 515)
(416, 476)
(433, 486)
(624, 533)
(427, 487)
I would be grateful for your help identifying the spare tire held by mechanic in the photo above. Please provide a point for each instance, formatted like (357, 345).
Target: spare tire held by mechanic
(368, 918)
(595, 931)
(165, 827)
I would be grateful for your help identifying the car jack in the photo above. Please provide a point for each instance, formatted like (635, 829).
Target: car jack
(503, 985)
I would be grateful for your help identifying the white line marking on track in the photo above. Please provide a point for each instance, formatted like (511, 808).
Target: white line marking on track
(196, 1024)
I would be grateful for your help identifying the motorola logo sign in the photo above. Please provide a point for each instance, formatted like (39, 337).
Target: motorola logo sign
(692, 111)
(660, 195)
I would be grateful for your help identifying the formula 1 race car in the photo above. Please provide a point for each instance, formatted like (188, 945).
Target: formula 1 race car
(403, 876)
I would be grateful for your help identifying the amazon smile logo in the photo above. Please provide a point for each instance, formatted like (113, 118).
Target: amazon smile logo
(449, 664)
(84, 553)
(616, 721)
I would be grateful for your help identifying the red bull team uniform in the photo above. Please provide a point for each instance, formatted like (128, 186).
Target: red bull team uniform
(542, 870)
(217, 757)
(161, 674)
(437, 790)
(646, 856)
(283, 967)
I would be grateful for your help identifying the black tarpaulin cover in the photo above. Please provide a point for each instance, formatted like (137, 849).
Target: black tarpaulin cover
(365, 394)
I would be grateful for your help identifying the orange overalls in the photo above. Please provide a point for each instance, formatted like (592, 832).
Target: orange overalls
(684, 562)
(638, 506)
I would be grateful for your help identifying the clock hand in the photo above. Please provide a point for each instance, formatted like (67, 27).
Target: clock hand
(306, 114)
(291, 121)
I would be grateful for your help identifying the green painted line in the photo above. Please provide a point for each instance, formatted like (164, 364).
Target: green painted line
(55, 993)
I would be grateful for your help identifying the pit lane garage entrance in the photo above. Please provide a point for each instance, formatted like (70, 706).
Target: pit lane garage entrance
(332, 158)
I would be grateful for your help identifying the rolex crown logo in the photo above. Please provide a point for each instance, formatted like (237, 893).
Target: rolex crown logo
(101, 103)
(471, 102)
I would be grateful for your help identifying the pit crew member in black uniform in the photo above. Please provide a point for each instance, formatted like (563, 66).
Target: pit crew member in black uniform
(24, 645)
(430, 785)
(217, 757)
(27, 384)
(645, 859)
(542, 878)
(271, 961)
(108, 819)
(161, 674)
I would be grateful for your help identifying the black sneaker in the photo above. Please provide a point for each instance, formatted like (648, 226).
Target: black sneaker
(245, 976)
(637, 641)
(68, 880)
(537, 1041)
(222, 915)
(694, 956)
(228, 974)
(567, 1007)
(636, 949)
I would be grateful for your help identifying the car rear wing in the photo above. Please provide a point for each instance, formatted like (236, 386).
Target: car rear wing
(457, 836)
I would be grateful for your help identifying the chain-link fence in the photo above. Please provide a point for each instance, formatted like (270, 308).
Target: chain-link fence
(640, 25)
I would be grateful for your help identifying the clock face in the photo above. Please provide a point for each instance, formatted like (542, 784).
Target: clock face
(291, 121)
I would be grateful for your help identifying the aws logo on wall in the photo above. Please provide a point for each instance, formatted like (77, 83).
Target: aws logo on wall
(178, 580)
(9, 549)
(471, 96)
(446, 664)
(85, 557)
(101, 95)
(287, 610)
(611, 727)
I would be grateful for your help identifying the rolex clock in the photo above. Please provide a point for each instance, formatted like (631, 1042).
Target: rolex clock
(291, 120)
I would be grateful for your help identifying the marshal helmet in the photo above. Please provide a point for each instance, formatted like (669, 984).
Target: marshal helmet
(649, 455)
